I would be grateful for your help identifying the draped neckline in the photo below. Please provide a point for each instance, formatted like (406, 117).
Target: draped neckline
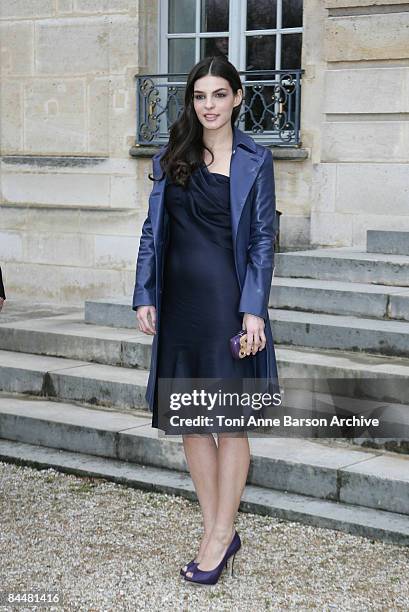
(224, 176)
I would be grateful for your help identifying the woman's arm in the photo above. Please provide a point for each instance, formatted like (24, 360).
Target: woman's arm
(257, 283)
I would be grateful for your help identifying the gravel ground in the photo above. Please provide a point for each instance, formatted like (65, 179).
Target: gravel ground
(104, 546)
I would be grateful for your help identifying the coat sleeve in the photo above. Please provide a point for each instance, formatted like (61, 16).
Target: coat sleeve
(145, 276)
(260, 255)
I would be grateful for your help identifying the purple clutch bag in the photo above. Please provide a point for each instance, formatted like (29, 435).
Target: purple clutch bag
(238, 345)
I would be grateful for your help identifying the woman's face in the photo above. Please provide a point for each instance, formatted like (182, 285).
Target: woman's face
(213, 101)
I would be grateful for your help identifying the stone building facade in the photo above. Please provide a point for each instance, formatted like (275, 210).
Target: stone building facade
(74, 187)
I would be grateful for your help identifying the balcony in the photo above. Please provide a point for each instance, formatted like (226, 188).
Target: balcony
(270, 110)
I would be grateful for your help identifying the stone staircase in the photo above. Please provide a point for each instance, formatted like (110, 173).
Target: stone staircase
(75, 383)
(339, 313)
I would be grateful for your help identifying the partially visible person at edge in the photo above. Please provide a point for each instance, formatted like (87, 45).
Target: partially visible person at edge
(2, 292)
(216, 172)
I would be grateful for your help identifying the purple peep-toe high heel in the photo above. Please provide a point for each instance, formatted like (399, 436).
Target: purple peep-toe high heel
(212, 576)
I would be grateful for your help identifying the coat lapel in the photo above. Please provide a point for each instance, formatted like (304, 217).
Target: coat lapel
(244, 166)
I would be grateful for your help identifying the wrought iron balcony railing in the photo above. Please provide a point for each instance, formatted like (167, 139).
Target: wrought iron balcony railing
(270, 110)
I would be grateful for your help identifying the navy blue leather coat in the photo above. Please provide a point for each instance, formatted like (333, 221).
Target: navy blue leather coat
(253, 222)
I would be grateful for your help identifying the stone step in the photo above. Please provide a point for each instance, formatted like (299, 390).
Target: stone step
(291, 327)
(351, 374)
(380, 525)
(346, 264)
(348, 333)
(110, 311)
(70, 379)
(340, 298)
(68, 336)
(62, 339)
(370, 479)
(124, 388)
(387, 241)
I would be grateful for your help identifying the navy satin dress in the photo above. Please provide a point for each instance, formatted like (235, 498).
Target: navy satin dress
(201, 294)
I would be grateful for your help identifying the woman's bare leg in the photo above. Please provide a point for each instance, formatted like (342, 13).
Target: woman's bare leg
(201, 457)
(233, 461)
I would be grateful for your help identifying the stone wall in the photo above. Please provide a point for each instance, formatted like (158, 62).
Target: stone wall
(72, 199)
(361, 153)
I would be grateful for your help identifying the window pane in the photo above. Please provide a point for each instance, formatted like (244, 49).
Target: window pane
(292, 14)
(261, 52)
(182, 16)
(181, 54)
(214, 46)
(260, 56)
(262, 14)
(214, 16)
(291, 51)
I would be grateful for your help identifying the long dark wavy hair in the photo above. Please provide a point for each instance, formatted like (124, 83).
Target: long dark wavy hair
(184, 151)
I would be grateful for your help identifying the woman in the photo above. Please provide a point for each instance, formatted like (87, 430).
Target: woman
(212, 210)
(2, 292)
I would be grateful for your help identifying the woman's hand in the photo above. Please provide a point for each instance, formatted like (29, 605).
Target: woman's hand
(145, 325)
(256, 339)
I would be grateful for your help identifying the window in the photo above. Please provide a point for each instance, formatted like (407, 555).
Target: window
(256, 36)
(253, 34)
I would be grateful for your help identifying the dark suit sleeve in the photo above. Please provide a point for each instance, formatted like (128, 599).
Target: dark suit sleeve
(2, 292)
(145, 276)
(257, 283)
